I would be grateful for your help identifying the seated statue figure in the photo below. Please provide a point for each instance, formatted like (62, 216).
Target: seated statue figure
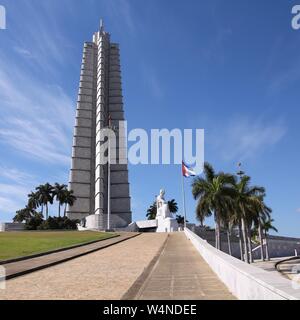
(162, 206)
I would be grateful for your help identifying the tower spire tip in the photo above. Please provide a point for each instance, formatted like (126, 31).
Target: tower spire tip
(101, 25)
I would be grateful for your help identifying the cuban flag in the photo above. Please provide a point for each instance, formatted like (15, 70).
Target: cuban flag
(187, 171)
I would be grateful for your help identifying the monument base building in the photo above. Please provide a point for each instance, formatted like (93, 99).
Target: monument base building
(99, 106)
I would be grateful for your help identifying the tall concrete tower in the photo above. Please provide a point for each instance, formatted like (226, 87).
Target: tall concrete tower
(100, 104)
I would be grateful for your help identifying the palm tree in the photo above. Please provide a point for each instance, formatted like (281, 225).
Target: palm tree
(45, 195)
(261, 213)
(180, 219)
(173, 207)
(245, 200)
(236, 223)
(23, 214)
(59, 192)
(267, 225)
(33, 200)
(201, 214)
(214, 194)
(228, 224)
(151, 212)
(69, 199)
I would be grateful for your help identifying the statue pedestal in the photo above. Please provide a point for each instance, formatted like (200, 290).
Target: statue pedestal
(166, 224)
(91, 223)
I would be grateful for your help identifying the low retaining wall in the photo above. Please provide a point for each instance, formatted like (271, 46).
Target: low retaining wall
(244, 281)
(278, 246)
(11, 226)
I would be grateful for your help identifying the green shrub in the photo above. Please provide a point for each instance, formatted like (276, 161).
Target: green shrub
(34, 222)
(59, 223)
(52, 223)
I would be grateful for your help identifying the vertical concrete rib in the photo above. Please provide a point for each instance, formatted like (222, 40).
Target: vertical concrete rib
(101, 122)
(83, 159)
(121, 213)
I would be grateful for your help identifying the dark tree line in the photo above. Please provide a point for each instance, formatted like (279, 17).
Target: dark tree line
(39, 200)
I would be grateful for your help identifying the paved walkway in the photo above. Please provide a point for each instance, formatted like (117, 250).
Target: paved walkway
(171, 266)
(288, 269)
(18, 268)
(104, 274)
(181, 273)
(267, 265)
(291, 270)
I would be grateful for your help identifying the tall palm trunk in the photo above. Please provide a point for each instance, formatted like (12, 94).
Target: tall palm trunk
(249, 244)
(229, 242)
(59, 209)
(261, 241)
(241, 242)
(246, 257)
(218, 235)
(65, 210)
(46, 210)
(219, 238)
(267, 246)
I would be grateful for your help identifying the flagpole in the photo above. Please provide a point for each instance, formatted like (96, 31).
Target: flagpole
(108, 187)
(183, 199)
(108, 175)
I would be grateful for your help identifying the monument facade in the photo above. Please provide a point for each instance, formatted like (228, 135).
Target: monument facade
(100, 105)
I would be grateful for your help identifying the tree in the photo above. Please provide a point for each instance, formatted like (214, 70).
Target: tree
(35, 221)
(245, 199)
(201, 213)
(33, 200)
(45, 196)
(261, 213)
(267, 225)
(180, 219)
(23, 215)
(69, 199)
(173, 207)
(214, 195)
(152, 211)
(59, 192)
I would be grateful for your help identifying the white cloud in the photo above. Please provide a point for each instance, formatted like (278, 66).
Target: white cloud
(40, 37)
(12, 197)
(14, 191)
(23, 52)
(37, 118)
(9, 205)
(15, 175)
(246, 138)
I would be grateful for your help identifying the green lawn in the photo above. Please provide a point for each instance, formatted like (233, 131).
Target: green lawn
(18, 244)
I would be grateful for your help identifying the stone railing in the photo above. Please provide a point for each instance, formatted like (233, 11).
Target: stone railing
(244, 281)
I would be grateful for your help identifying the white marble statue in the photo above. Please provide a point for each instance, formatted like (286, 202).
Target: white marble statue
(162, 206)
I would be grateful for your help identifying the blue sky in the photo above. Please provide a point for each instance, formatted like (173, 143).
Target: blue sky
(230, 67)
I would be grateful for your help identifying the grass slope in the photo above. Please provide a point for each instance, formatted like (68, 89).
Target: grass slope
(18, 244)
